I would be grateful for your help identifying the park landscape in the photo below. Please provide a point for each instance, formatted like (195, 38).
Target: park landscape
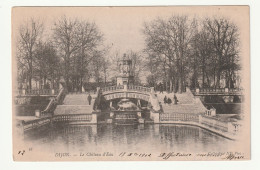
(88, 85)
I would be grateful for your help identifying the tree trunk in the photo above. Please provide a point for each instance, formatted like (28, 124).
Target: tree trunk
(218, 79)
(30, 81)
(170, 85)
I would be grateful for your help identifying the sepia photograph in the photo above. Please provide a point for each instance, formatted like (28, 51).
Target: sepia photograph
(150, 83)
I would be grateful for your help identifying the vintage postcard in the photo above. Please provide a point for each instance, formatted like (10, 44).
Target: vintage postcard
(167, 83)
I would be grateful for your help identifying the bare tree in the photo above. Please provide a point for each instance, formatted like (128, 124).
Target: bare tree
(90, 38)
(224, 37)
(170, 40)
(202, 58)
(29, 35)
(77, 42)
(46, 63)
(66, 40)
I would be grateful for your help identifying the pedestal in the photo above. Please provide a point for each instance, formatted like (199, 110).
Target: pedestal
(52, 91)
(94, 118)
(109, 121)
(231, 127)
(155, 116)
(141, 120)
(226, 90)
(37, 113)
(111, 114)
(213, 112)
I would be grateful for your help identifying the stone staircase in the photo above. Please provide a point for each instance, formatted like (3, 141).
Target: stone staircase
(75, 104)
(76, 99)
(187, 103)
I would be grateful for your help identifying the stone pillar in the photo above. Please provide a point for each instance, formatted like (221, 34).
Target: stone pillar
(94, 129)
(152, 89)
(83, 89)
(200, 119)
(98, 88)
(37, 113)
(155, 116)
(111, 114)
(52, 91)
(226, 99)
(60, 86)
(125, 87)
(226, 90)
(212, 112)
(139, 114)
(231, 99)
(23, 91)
(141, 120)
(231, 127)
(139, 103)
(94, 118)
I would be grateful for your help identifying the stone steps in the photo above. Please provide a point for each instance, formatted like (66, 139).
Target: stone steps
(77, 99)
(75, 104)
(183, 98)
(73, 109)
(187, 103)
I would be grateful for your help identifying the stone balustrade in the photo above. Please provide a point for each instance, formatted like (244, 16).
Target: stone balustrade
(217, 91)
(227, 129)
(70, 119)
(37, 123)
(179, 117)
(74, 117)
(36, 92)
(126, 88)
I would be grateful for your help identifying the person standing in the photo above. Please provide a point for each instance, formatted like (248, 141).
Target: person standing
(161, 87)
(175, 99)
(89, 99)
(165, 100)
(169, 100)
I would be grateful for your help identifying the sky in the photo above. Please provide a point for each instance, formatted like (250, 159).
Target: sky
(121, 26)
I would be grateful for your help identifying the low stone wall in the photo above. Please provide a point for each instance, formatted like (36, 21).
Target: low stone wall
(179, 117)
(27, 110)
(34, 124)
(75, 118)
(63, 119)
(226, 129)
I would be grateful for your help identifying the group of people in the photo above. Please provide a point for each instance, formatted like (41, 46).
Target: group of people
(169, 100)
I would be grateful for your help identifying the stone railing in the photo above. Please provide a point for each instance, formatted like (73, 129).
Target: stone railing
(36, 92)
(139, 88)
(216, 90)
(126, 88)
(224, 128)
(45, 121)
(215, 124)
(178, 117)
(53, 102)
(211, 112)
(112, 88)
(33, 124)
(70, 118)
